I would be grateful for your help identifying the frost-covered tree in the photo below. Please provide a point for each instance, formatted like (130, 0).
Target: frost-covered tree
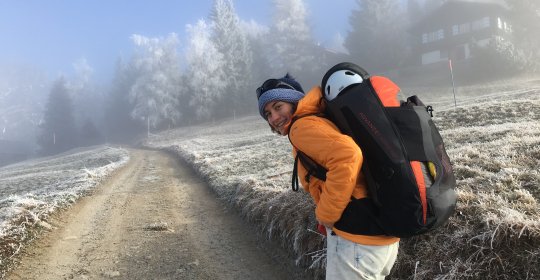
(156, 93)
(83, 72)
(119, 125)
(231, 41)
(431, 5)
(414, 11)
(58, 130)
(525, 19)
(338, 43)
(87, 98)
(89, 134)
(377, 40)
(261, 69)
(23, 93)
(204, 76)
(291, 37)
(501, 57)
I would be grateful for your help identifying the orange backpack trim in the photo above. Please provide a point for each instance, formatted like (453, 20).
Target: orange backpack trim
(419, 176)
(386, 90)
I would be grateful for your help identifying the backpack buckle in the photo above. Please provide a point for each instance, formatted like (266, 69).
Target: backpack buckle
(430, 110)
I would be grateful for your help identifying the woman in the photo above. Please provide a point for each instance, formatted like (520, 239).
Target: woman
(288, 111)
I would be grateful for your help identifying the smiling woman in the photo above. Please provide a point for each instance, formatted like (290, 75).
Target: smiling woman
(279, 115)
(277, 100)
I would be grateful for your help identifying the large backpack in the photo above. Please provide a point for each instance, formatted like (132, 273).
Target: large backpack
(410, 180)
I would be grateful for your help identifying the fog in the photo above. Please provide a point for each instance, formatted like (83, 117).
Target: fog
(147, 71)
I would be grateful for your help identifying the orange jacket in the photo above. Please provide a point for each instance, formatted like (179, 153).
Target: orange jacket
(322, 141)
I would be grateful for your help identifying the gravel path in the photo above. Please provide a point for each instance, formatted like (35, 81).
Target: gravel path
(154, 219)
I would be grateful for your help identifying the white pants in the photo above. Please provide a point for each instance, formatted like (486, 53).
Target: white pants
(349, 260)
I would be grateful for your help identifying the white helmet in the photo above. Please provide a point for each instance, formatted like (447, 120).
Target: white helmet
(338, 81)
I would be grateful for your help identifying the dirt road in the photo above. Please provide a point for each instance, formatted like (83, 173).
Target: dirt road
(154, 219)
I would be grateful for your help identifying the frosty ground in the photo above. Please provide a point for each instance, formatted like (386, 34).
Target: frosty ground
(492, 137)
(151, 219)
(33, 190)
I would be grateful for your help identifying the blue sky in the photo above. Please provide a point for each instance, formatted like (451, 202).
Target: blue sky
(53, 34)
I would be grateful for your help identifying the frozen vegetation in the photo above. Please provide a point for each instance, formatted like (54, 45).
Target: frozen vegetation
(31, 191)
(492, 137)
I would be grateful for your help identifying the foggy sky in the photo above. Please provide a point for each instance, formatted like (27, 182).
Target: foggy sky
(52, 35)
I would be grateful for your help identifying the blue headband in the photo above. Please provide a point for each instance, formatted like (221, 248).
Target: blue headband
(281, 94)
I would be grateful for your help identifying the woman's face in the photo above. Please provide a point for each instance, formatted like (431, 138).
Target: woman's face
(279, 115)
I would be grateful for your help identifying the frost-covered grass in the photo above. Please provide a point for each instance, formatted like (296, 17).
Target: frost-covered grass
(31, 191)
(493, 139)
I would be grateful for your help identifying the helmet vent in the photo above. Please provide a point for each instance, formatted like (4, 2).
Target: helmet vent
(349, 73)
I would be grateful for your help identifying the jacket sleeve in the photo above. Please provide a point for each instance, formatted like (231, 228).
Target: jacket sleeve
(338, 153)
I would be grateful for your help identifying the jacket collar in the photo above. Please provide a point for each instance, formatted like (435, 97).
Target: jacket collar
(311, 103)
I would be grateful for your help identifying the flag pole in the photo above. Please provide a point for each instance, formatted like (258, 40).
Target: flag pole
(453, 85)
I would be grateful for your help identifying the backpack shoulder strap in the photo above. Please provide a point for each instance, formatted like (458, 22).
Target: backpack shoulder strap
(312, 167)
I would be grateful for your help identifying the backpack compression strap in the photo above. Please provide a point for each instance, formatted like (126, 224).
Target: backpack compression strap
(313, 169)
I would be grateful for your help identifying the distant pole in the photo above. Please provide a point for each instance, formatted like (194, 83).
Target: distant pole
(453, 85)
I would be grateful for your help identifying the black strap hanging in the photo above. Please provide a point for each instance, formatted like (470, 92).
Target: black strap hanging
(313, 168)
